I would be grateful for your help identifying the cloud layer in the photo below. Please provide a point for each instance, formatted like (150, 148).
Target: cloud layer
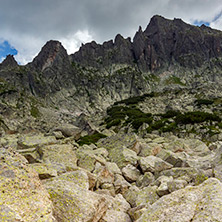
(28, 24)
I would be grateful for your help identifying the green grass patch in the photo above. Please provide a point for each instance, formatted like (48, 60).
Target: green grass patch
(90, 139)
(34, 111)
(174, 80)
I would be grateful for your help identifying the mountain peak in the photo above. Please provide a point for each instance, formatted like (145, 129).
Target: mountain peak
(51, 52)
(9, 61)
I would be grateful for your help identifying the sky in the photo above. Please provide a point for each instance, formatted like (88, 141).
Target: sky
(26, 25)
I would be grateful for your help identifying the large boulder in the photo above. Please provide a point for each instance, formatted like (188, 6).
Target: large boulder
(72, 200)
(197, 204)
(153, 164)
(69, 130)
(23, 198)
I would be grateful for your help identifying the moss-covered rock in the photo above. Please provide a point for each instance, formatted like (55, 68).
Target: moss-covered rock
(73, 203)
(29, 141)
(198, 203)
(22, 196)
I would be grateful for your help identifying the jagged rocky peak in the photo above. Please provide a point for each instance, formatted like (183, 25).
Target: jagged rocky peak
(100, 55)
(9, 61)
(52, 53)
(168, 42)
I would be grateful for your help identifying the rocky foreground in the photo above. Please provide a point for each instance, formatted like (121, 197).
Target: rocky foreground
(120, 178)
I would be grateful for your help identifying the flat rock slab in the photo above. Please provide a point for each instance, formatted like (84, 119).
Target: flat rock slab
(30, 141)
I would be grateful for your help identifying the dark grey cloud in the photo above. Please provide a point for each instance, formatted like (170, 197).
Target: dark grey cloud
(28, 24)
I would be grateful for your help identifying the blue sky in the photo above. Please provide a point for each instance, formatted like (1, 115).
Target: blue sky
(6, 49)
(26, 25)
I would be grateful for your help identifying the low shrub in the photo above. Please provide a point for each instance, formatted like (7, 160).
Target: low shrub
(170, 114)
(200, 102)
(114, 122)
(196, 117)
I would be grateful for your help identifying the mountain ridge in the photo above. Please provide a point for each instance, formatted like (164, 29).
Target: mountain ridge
(167, 55)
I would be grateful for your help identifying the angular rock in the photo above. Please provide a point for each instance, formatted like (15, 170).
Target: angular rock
(61, 157)
(172, 158)
(176, 184)
(131, 173)
(191, 175)
(73, 203)
(112, 167)
(145, 196)
(145, 180)
(120, 184)
(198, 203)
(87, 158)
(114, 215)
(78, 177)
(104, 176)
(163, 188)
(123, 156)
(153, 164)
(44, 171)
(148, 149)
(33, 155)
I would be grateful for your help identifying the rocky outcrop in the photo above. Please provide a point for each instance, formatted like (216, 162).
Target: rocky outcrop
(100, 56)
(52, 54)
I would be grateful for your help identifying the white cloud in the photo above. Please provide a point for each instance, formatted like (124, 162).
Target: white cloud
(73, 42)
(29, 24)
(217, 24)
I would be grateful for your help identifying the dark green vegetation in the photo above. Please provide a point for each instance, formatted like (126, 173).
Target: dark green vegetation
(196, 117)
(200, 102)
(34, 111)
(136, 99)
(90, 139)
(126, 113)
